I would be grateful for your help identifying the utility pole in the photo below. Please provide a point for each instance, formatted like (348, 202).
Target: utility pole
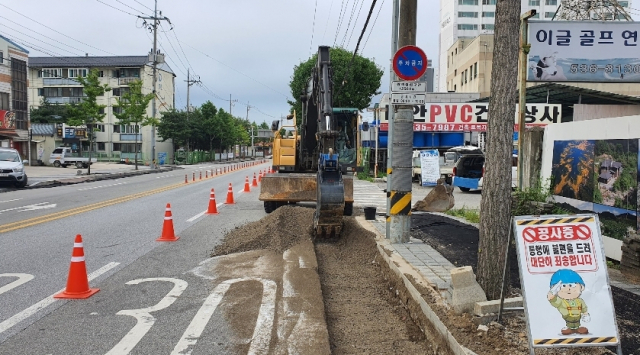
(391, 112)
(189, 84)
(402, 142)
(157, 58)
(248, 107)
(231, 104)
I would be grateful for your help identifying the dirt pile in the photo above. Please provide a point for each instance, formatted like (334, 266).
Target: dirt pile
(278, 231)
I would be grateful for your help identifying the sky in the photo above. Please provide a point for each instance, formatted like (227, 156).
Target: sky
(243, 48)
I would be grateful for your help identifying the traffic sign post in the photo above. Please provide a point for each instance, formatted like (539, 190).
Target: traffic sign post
(409, 63)
(407, 99)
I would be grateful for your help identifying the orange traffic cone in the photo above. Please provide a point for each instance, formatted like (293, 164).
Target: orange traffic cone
(186, 181)
(260, 176)
(78, 281)
(200, 174)
(167, 227)
(230, 196)
(206, 174)
(254, 183)
(246, 184)
(213, 208)
(194, 176)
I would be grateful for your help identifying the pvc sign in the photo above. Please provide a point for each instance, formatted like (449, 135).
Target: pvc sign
(584, 51)
(409, 63)
(474, 116)
(565, 283)
(430, 167)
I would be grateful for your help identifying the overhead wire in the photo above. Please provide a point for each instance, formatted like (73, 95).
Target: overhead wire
(355, 22)
(143, 5)
(346, 30)
(326, 25)
(134, 9)
(340, 18)
(39, 40)
(313, 27)
(56, 31)
(119, 9)
(372, 27)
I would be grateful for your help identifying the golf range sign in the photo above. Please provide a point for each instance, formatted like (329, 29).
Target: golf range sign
(565, 283)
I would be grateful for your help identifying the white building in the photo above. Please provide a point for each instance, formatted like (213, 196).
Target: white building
(470, 18)
(52, 78)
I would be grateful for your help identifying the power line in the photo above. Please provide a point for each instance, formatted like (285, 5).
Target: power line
(372, 26)
(355, 22)
(340, 18)
(353, 10)
(143, 5)
(56, 31)
(180, 45)
(39, 40)
(313, 27)
(326, 25)
(134, 9)
(121, 10)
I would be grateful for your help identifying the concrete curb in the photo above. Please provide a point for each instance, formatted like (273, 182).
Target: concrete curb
(96, 177)
(402, 268)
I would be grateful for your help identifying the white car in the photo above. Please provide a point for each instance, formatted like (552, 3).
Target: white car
(12, 167)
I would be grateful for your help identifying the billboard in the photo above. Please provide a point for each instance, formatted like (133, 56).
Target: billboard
(564, 280)
(583, 51)
(473, 116)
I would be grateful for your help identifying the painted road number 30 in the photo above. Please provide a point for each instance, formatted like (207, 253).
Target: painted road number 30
(261, 334)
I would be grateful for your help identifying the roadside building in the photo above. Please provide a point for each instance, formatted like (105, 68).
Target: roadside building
(54, 79)
(14, 112)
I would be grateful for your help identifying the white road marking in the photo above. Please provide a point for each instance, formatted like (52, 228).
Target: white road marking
(15, 199)
(22, 278)
(144, 319)
(261, 333)
(202, 213)
(7, 324)
(35, 206)
(97, 187)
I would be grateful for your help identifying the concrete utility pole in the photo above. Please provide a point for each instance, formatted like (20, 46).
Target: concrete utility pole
(522, 89)
(190, 83)
(157, 58)
(231, 104)
(391, 112)
(402, 142)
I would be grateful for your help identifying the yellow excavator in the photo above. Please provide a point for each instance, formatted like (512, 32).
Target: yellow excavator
(315, 162)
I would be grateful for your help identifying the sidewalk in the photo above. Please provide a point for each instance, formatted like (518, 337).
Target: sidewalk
(431, 266)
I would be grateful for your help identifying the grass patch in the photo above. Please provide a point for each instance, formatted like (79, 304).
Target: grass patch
(470, 214)
(364, 176)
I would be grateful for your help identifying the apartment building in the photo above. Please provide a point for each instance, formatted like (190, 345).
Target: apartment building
(470, 65)
(54, 79)
(14, 112)
(471, 18)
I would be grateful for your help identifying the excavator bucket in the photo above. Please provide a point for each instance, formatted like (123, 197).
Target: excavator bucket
(330, 205)
(297, 187)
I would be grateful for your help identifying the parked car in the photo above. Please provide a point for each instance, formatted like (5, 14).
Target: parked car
(63, 156)
(450, 158)
(12, 167)
(468, 173)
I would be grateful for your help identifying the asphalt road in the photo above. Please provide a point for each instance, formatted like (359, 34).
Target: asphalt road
(155, 297)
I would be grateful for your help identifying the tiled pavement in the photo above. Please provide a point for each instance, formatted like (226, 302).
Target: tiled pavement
(429, 263)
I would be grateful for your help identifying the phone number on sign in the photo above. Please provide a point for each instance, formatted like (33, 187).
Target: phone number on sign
(608, 68)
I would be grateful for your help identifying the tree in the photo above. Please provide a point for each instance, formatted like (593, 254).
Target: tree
(213, 126)
(173, 126)
(359, 87)
(49, 113)
(496, 194)
(133, 106)
(88, 112)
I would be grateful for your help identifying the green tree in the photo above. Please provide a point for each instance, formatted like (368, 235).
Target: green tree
(213, 124)
(173, 125)
(354, 90)
(88, 112)
(133, 106)
(49, 113)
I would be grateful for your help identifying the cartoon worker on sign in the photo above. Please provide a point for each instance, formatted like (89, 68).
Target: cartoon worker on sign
(566, 288)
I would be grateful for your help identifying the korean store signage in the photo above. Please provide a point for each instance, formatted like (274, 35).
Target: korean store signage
(564, 281)
(584, 51)
(472, 117)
